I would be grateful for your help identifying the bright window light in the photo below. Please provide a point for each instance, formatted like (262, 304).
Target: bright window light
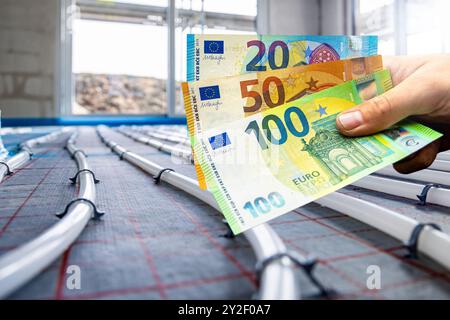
(120, 62)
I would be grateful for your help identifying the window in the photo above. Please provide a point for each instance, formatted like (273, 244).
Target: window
(119, 59)
(120, 56)
(405, 26)
(377, 17)
(210, 17)
(428, 26)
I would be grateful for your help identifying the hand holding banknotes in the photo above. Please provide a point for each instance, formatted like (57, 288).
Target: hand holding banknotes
(266, 143)
(422, 91)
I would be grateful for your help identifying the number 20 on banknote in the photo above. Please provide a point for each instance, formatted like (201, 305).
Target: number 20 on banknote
(214, 56)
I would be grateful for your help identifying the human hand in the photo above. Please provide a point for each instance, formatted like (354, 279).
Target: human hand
(422, 91)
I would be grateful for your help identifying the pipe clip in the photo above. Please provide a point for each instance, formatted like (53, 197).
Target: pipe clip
(97, 214)
(122, 154)
(413, 242)
(424, 194)
(157, 178)
(307, 265)
(74, 178)
(229, 234)
(8, 169)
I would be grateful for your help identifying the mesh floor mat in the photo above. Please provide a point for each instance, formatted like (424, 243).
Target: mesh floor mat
(157, 242)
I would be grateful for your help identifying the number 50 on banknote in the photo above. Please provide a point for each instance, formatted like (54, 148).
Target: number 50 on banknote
(269, 163)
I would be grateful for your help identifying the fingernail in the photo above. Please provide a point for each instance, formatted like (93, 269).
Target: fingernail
(351, 120)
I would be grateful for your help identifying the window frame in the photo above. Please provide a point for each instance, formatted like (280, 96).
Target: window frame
(399, 24)
(64, 84)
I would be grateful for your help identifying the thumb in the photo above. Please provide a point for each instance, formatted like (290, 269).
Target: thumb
(382, 111)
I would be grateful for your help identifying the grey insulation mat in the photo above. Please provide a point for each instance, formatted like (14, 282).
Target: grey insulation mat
(157, 242)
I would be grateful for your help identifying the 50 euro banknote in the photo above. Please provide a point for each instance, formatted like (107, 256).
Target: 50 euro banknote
(213, 56)
(262, 166)
(214, 102)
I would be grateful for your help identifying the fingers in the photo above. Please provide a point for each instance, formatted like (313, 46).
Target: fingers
(383, 111)
(425, 157)
(445, 130)
(401, 67)
(422, 159)
(371, 116)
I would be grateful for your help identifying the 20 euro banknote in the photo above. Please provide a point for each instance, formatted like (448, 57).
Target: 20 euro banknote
(262, 166)
(213, 56)
(214, 102)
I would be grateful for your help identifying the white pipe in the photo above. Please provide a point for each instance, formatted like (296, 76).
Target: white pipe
(13, 163)
(168, 131)
(443, 156)
(435, 244)
(404, 189)
(278, 279)
(161, 136)
(24, 154)
(426, 175)
(20, 130)
(20, 265)
(172, 150)
(440, 165)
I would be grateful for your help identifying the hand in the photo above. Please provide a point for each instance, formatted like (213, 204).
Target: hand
(422, 91)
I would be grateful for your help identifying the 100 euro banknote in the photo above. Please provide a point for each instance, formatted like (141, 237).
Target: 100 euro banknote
(213, 56)
(210, 103)
(262, 166)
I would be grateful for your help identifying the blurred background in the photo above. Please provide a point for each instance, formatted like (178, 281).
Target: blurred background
(81, 59)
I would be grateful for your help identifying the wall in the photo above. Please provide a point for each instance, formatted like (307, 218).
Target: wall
(304, 17)
(288, 16)
(27, 57)
(335, 17)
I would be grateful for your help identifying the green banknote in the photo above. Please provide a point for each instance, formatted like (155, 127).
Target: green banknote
(219, 55)
(264, 165)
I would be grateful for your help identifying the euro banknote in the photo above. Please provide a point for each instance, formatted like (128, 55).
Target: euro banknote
(264, 165)
(213, 102)
(213, 56)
